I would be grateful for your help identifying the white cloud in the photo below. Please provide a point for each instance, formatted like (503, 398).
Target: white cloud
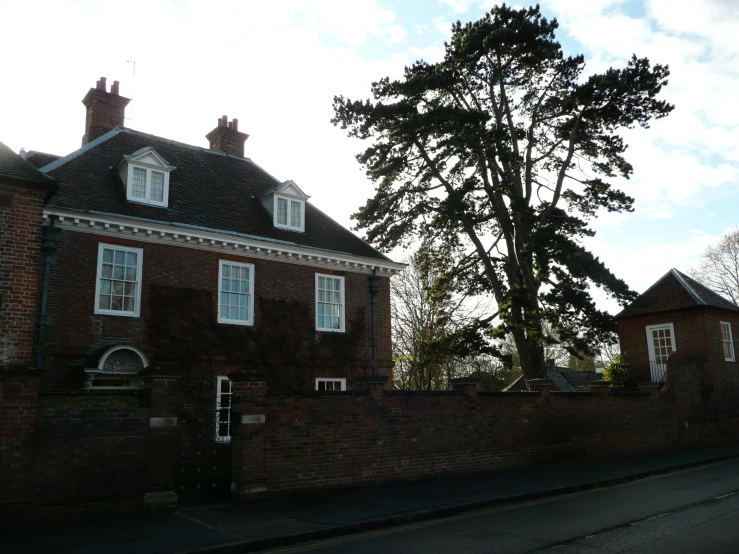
(697, 146)
(442, 25)
(458, 6)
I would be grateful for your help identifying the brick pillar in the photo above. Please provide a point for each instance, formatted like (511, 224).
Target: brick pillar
(466, 385)
(375, 384)
(248, 418)
(18, 413)
(543, 386)
(603, 387)
(162, 450)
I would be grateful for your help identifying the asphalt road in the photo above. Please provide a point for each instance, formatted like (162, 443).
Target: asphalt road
(693, 510)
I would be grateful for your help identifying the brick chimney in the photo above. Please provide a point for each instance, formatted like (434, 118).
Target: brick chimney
(104, 110)
(227, 138)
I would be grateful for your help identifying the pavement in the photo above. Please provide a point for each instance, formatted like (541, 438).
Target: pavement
(288, 519)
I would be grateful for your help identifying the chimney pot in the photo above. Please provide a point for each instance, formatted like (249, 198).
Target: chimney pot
(227, 137)
(104, 111)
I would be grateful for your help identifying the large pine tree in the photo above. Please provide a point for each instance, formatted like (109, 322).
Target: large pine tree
(501, 152)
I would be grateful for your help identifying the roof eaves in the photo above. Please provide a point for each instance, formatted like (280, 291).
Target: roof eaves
(360, 238)
(77, 153)
(64, 211)
(673, 272)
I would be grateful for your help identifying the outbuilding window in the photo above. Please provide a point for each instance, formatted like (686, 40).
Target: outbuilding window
(728, 341)
(118, 288)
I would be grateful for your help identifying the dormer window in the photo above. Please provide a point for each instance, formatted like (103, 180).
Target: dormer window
(289, 213)
(286, 205)
(145, 174)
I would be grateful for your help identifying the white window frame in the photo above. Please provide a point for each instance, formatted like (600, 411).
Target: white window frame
(650, 346)
(147, 194)
(139, 282)
(223, 438)
(726, 325)
(343, 303)
(289, 200)
(250, 312)
(331, 380)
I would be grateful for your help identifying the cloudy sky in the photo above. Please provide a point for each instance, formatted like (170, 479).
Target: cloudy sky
(277, 65)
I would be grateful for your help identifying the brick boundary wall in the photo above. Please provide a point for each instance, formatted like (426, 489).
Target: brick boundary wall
(291, 442)
(79, 452)
(75, 452)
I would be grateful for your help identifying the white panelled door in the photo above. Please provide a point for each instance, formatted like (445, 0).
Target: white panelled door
(661, 342)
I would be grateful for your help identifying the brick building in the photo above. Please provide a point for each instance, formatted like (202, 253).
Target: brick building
(679, 315)
(153, 230)
(136, 262)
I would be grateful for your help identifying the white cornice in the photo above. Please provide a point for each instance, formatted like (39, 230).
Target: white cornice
(186, 237)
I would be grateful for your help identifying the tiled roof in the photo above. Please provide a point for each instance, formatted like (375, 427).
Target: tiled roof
(675, 291)
(208, 189)
(15, 168)
(563, 380)
(40, 159)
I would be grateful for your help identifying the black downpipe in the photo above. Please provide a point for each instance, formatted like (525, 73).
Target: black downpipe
(374, 289)
(50, 236)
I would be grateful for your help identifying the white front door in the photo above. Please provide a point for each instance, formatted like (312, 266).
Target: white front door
(661, 342)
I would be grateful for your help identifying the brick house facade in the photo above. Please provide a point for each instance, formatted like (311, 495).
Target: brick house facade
(136, 274)
(679, 315)
(216, 207)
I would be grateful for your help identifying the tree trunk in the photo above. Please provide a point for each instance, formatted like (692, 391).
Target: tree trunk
(532, 357)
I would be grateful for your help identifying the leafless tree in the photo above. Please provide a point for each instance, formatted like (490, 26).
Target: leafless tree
(421, 320)
(719, 267)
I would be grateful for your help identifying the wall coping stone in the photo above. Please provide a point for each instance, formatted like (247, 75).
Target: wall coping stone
(509, 393)
(318, 394)
(96, 392)
(574, 393)
(424, 393)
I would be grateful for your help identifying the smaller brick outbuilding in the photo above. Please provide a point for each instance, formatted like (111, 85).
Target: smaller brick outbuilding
(679, 314)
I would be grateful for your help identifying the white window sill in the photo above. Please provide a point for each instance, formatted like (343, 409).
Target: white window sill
(117, 313)
(236, 322)
(288, 228)
(329, 330)
(146, 203)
